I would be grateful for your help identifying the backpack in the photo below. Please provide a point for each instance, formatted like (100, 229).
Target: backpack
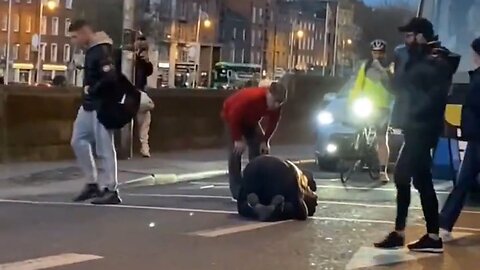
(123, 102)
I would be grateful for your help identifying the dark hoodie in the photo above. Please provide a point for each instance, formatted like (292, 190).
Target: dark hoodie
(99, 71)
(471, 109)
(427, 81)
(268, 176)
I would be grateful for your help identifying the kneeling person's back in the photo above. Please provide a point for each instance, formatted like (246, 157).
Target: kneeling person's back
(274, 189)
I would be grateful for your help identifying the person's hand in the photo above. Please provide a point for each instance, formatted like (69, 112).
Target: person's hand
(264, 148)
(239, 147)
(85, 89)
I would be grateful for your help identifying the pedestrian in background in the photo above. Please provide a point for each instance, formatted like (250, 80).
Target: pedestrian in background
(88, 131)
(470, 168)
(427, 79)
(242, 113)
(143, 69)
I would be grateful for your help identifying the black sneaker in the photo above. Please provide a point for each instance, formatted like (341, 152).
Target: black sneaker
(427, 244)
(109, 197)
(392, 241)
(267, 212)
(90, 191)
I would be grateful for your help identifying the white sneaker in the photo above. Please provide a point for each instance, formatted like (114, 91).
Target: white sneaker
(384, 178)
(446, 236)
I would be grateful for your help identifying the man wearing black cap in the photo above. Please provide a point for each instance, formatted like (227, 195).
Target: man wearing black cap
(427, 81)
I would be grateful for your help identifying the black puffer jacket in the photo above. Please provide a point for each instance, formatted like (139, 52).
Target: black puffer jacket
(427, 81)
(100, 75)
(268, 176)
(471, 109)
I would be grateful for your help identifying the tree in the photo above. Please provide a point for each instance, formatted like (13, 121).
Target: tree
(380, 23)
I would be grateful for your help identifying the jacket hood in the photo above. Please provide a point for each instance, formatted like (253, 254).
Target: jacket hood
(100, 38)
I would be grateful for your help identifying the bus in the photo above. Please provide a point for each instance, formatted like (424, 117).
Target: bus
(457, 24)
(234, 75)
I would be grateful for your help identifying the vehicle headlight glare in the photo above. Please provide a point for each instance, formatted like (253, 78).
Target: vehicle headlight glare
(331, 148)
(325, 118)
(363, 107)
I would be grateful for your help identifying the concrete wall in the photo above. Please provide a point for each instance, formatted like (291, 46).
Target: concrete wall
(36, 123)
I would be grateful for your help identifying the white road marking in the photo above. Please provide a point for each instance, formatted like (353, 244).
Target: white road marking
(371, 189)
(50, 262)
(207, 187)
(120, 206)
(193, 196)
(206, 211)
(367, 257)
(236, 229)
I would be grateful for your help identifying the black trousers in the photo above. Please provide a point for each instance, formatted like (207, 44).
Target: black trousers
(253, 137)
(415, 164)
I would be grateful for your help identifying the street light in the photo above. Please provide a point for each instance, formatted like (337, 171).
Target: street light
(51, 5)
(207, 23)
(300, 34)
(349, 41)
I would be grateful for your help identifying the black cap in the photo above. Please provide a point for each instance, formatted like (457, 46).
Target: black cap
(420, 26)
(476, 45)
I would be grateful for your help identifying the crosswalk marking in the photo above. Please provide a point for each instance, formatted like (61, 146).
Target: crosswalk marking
(49, 262)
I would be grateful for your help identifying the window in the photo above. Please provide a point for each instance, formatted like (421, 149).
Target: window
(28, 49)
(234, 33)
(254, 15)
(233, 55)
(253, 38)
(66, 53)
(53, 52)
(259, 35)
(68, 4)
(43, 29)
(29, 1)
(260, 14)
(16, 22)
(252, 57)
(28, 22)
(243, 55)
(4, 22)
(55, 26)
(43, 49)
(259, 57)
(15, 49)
(244, 34)
(68, 22)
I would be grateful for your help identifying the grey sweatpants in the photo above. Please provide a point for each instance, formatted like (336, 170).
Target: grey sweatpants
(88, 132)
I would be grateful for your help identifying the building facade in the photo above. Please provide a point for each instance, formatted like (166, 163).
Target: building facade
(25, 22)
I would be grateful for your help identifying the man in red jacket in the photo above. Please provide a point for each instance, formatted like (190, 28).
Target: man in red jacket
(242, 113)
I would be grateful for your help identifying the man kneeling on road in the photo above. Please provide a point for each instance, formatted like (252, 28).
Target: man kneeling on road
(273, 189)
(242, 113)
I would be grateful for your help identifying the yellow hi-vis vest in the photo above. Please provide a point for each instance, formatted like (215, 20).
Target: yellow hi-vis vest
(373, 90)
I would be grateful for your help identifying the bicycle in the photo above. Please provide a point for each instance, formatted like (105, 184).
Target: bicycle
(363, 156)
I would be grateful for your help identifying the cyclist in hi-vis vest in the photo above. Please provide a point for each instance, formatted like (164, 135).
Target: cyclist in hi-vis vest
(372, 81)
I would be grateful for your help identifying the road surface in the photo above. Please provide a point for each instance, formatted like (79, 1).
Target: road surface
(194, 225)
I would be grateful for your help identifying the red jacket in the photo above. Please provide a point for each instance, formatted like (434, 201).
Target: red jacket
(246, 108)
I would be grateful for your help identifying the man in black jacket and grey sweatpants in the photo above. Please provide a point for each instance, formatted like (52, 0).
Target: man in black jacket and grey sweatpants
(99, 84)
(427, 80)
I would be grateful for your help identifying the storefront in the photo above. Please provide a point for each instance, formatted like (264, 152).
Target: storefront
(25, 72)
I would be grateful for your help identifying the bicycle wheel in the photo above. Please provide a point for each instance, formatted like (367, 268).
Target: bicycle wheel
(347, 169)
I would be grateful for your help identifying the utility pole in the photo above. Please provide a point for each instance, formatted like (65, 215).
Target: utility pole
(335, 48)
(173, 44)
(325, 40)
(126, 133)
(6, 76)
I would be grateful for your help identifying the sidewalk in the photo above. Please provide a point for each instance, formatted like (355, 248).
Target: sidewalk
(162, 168)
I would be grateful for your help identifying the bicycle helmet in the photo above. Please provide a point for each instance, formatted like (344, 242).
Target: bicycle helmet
(378, 45)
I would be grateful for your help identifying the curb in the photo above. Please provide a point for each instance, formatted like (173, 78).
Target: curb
(171, 178)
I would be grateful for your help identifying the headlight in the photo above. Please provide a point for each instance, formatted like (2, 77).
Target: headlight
(363, 107)
(325, 118)
(331, 148)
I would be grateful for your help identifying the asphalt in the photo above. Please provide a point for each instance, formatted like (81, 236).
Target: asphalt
(193, 225)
